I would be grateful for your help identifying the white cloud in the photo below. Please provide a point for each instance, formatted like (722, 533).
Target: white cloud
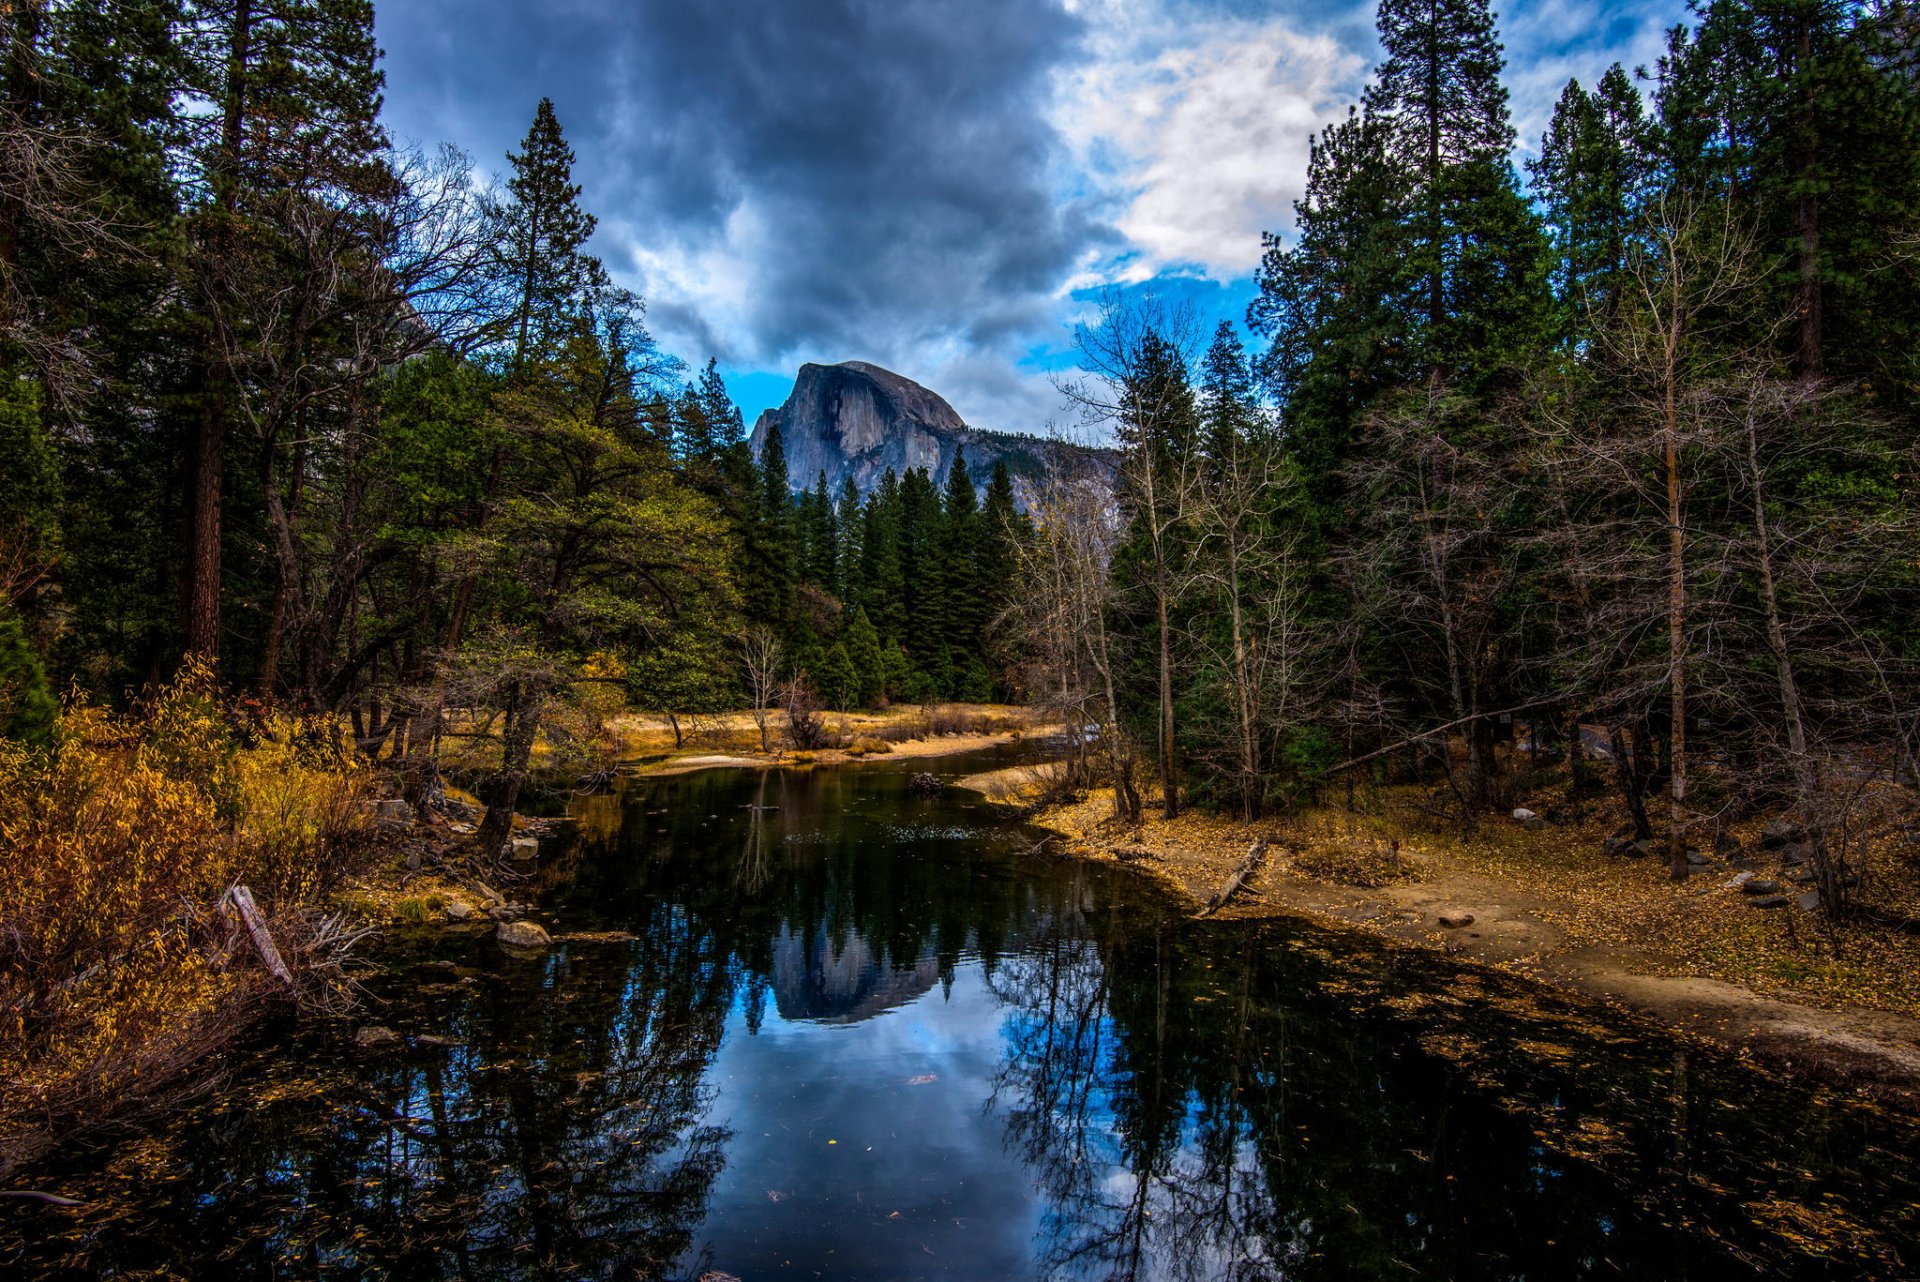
(1197, 131)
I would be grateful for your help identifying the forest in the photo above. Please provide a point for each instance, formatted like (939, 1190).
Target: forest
(329, 461)
(1610, 467)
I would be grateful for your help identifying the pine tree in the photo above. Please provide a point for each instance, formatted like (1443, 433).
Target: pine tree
(958, 563)
(1590, 176)
(867, 658)
(1473, 288)
(1327, 302)
(540, 237)
(923, 599)
(769, 587)
(820, 537)
(882, 576)
(849, 524)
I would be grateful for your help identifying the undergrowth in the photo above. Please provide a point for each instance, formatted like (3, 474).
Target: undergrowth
(122, 956)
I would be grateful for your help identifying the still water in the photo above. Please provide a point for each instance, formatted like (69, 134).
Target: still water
(809, 1025)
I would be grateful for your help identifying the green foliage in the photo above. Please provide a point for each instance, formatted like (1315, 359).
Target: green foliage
(28, 710)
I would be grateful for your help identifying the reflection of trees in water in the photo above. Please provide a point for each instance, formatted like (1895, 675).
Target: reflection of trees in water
(563, 1139)
(1142, 1178)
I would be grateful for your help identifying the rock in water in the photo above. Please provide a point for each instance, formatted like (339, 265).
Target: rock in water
(374, 1037)
(522, 934)
(855, 420)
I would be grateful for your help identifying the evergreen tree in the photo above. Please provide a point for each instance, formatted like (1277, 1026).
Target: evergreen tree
(540, 237)
(1590, 175)
(867, 658)
(28, 710)
(958, 563)
(882, 573)
(820, 537)
(1327, 302)
(769, 585)
(849, 524)
(1472, 277)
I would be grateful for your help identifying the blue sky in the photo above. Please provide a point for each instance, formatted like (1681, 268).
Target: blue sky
(937, 186)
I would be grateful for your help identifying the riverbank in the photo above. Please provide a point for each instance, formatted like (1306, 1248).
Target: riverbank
(648, 741)
(1543, 902)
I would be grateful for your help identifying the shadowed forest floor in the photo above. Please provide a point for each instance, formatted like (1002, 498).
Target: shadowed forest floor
(1548, 904)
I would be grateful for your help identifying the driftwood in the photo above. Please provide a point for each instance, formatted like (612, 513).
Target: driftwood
(35, 1195)
(256, 924)
(1248, 866)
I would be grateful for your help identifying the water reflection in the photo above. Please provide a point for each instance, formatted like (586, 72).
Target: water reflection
(854, 1033)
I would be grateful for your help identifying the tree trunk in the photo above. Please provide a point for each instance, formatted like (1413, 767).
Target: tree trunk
(503, 790)
(1169, 790)
(1676, 621)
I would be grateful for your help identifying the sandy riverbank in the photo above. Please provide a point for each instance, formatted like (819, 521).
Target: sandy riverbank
(1544, 904)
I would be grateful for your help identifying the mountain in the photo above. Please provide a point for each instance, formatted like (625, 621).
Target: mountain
(858, 420)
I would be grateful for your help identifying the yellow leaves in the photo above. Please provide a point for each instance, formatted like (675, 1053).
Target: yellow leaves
(114, 848)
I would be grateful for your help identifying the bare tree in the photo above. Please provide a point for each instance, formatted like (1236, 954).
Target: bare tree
(1137, 353)
(760, 658)
(1060, 621)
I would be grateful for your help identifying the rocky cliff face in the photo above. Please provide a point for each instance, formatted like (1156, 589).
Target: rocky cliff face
(857, 420)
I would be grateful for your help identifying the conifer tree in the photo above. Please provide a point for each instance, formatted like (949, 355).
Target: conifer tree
(541, 235)
(1473, 290)
(1590, 175)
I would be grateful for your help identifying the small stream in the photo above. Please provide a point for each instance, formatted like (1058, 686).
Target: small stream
(814, 1026)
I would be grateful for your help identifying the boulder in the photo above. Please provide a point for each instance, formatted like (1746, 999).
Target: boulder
(395, 809)
(1769, 901)
(524, 847)
(1617, 846)
(1761, 886)
(1523, 814)
(1781, 832)
(459, 910)
(522, 934)
(1641, 850)
(1456, 920)
(1807, 902)
(375, 1037)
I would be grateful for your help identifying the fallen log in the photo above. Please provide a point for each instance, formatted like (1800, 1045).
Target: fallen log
(256, 924)
(1248, 866)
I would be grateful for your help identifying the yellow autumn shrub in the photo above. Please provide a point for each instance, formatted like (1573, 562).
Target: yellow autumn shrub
(117, 845)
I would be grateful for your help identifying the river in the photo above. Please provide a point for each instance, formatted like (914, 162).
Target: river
(806, 1024)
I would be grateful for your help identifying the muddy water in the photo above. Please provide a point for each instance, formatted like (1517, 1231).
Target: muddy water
(810, 1025)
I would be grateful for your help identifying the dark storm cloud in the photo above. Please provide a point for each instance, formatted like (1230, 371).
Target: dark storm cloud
(887, 165)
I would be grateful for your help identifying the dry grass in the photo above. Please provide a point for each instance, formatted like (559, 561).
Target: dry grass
(1702, 927)
(119, 960)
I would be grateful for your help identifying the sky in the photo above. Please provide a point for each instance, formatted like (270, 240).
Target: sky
(941, 187)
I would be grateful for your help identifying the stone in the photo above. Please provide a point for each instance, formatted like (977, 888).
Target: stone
(522, 934)
(1807, 902)
(1523, 814)
(924, 784)
(525, 847)
(1698, 859)
(1738, 880)
(1726, 845)
(375, 1037)
(1781, 832)
(1769, 901)
(1796, 854)
(1456, 920)
(1617, 846)
(1640, 850)
(1761, 886)
(459, 910)
(435, 1041)
(394, 808)
(854, 420)
(1800, 876)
